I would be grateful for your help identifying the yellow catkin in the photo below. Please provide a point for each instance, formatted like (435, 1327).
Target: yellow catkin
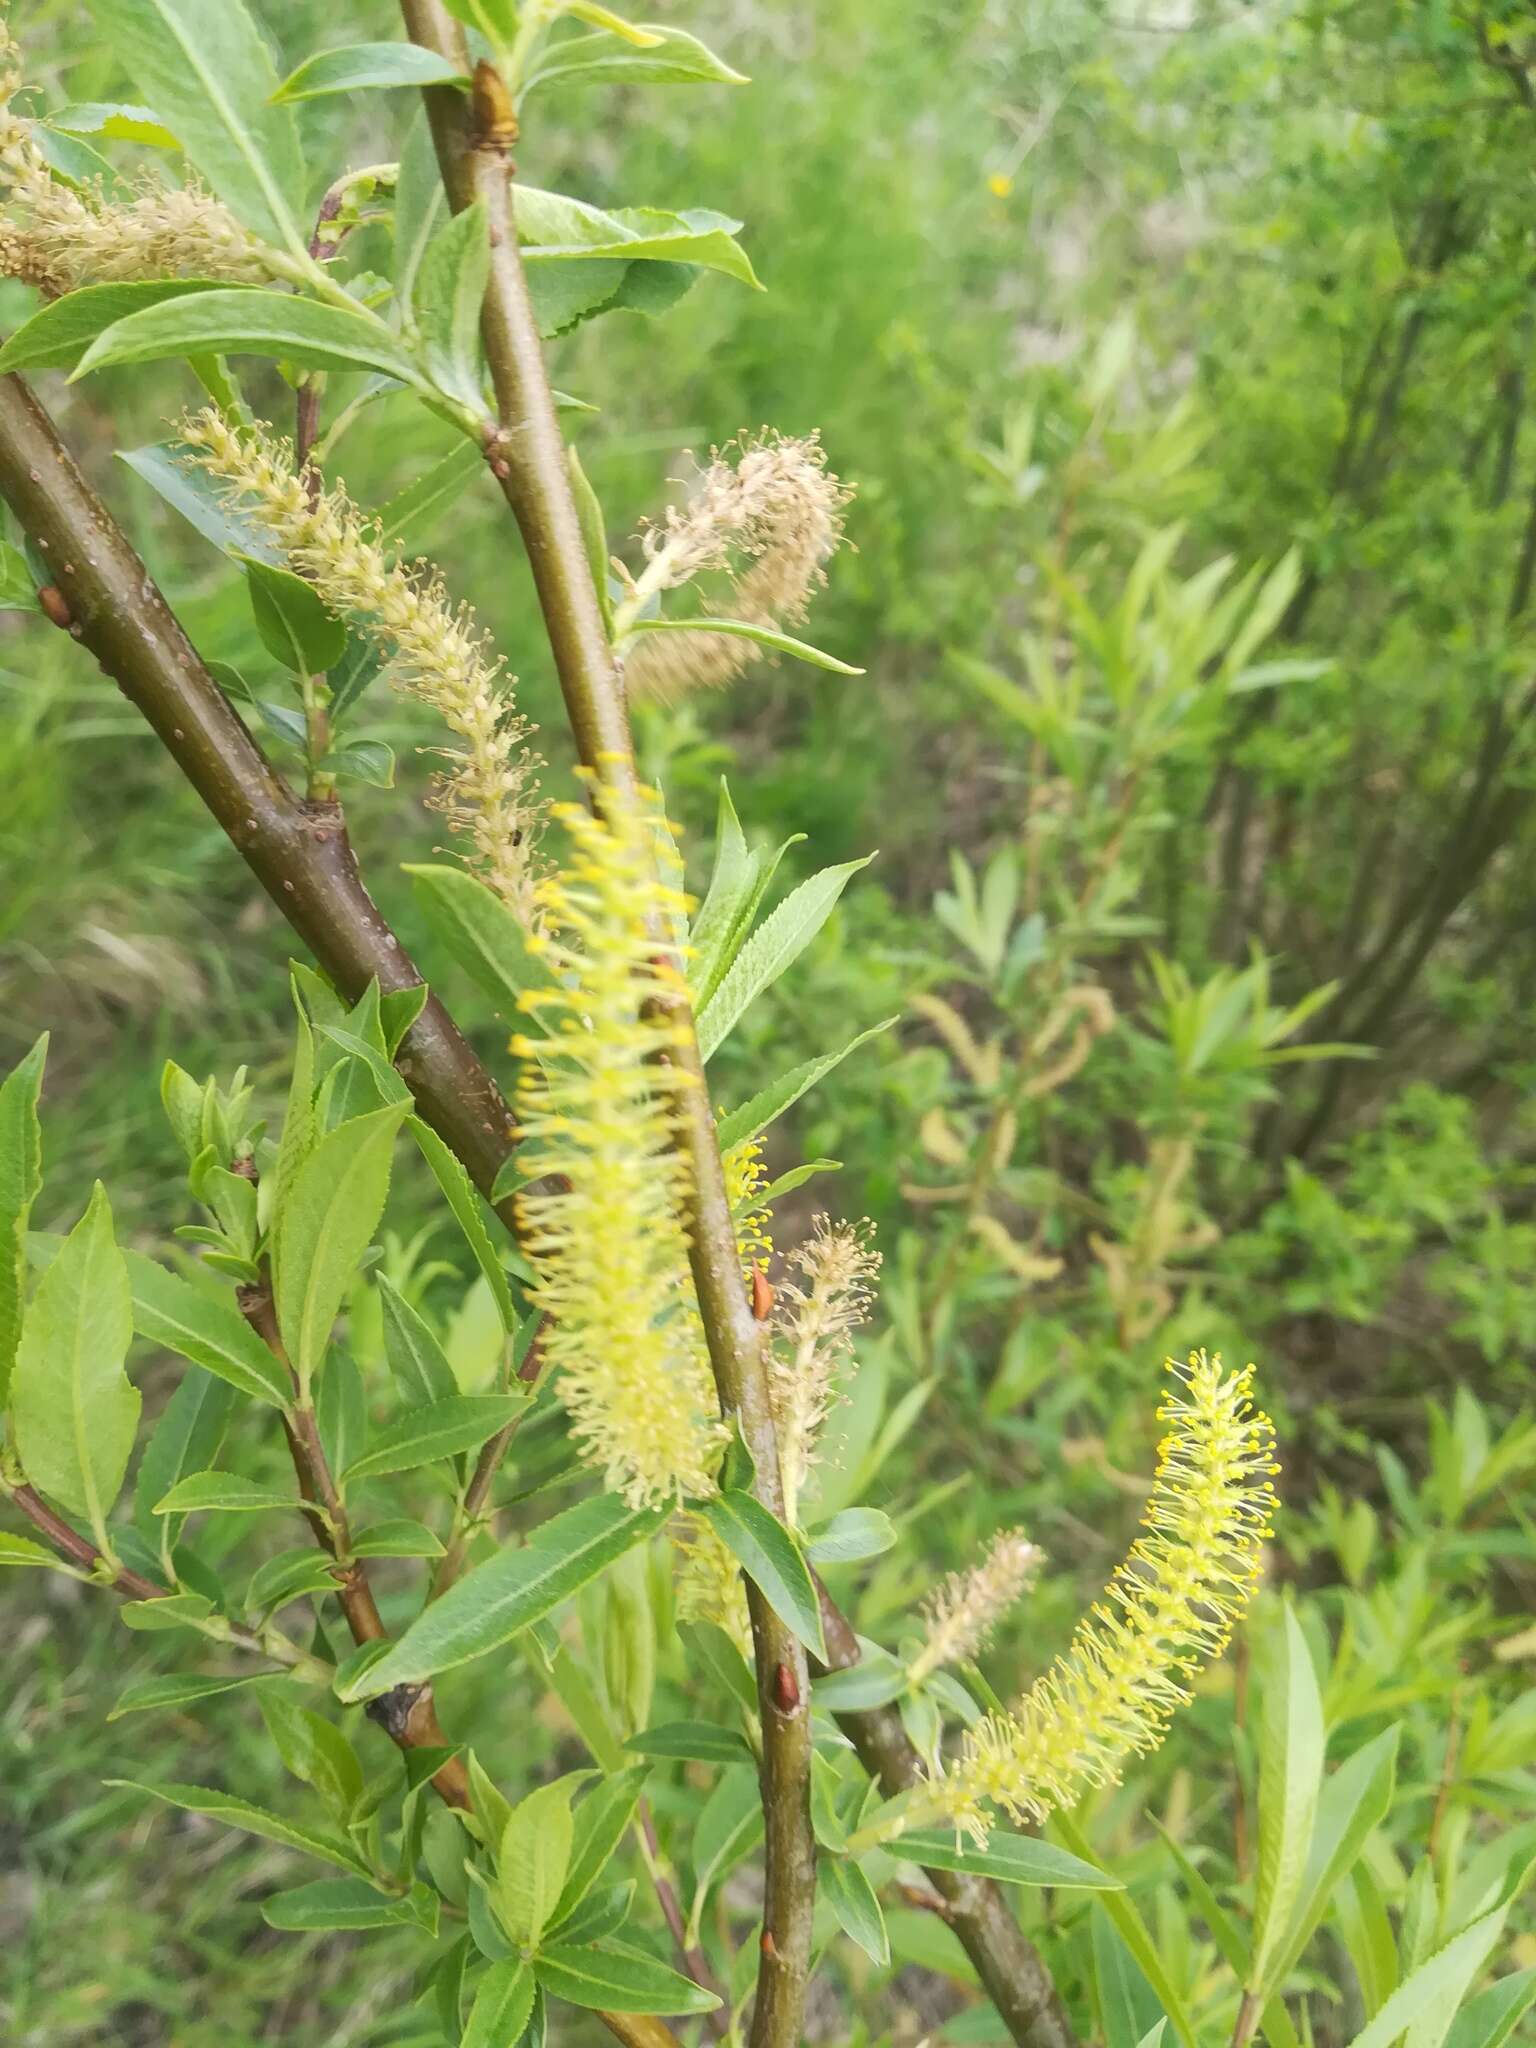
(966, 1606)
(489, 791)
(61, 236)
(1170, 1608)
(744, 1183)
(598, 1108)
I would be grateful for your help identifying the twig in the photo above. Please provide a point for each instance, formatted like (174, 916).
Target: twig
(528, 458)
(694, 1960)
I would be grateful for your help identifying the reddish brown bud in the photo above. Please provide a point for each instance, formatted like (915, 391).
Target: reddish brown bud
(762, 1295)
(769, 1946)
(786, 1689)
(51, 599)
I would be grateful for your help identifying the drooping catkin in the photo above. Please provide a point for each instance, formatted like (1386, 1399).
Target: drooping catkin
(598, 1108)
(1170, 1608)
(966, 1606)
(822, 1300)
(489, 791)
(767, 512)
(60, 236)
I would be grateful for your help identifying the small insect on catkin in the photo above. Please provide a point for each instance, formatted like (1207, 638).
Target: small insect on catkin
(1170, 1608)
(489, 790)
(598, 1107)
(768, 513)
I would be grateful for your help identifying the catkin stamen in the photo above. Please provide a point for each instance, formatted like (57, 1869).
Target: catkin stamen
(822, 1300)
(489, 791)
(598, 1107)
(1169, 1609)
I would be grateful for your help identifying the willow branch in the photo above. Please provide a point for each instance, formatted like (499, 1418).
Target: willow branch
(298, 851)
(1009, 1965)
(527, 456)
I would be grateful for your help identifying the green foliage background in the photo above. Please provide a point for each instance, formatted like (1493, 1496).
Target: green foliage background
(1056, 284)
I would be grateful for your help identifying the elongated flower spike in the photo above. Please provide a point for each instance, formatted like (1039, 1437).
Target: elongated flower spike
(489, 790)
(598, 1108)
(1170, 1608)
(822, 1300)
(59, 236)
(966, 1606)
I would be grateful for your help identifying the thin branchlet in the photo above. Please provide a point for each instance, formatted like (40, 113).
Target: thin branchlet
(59, 235)
(598, 1107)
(767, 514)
(1169, 1609)
(965, 1607)
(489, 790)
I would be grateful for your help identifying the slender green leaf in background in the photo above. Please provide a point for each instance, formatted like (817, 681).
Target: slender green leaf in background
(295, 627)
(205, 1328)
(59, 333)
(1292, 1740)
(207, 73)
(479, 931)
(363, 67)
(21, 1550)
(243, 320)
(333, 1904)
(222, 1493)
(610, 1978)
(1010, 1858)
(503, 2002)
(175, 1690)
(21, 1176)
(510, 1591)
(775, 946)
(440, 1430)
(755, 1116)
(1132, 1931)
(1424, 2005)
(464, 1200)
(74, 1411)
(254, 1820)
(743, 629)
(450, 288)
(415, 1357)
(672, 57)
(598, 1826)
(326, 1223)
(772, 1559)
(852, 1898)
(532, 1862)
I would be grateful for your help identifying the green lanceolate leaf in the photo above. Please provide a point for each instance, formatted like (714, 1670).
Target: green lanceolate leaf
(598, 1827)
(1424, 2004)
(1292, 1739)
(326, 1223)
(609, 1977)
(291, 1575)
(449, 291)
(464, 1201)
(22, 1551)
(763, 1109)
(18, 586)
(503, 2003)
(852, 1536)
(743, 629)
(115, 121)
(876, 1680)
(852, 1898)
(21, 1176)
(364, 67)
(399, 1538)
(511, 1591)
(332, 1904)
(532, 1860)
(255, 1820)
(479, 931)
(196, 498)
(1352, 1802)
(556, 229)
(776, 944)
(444, 484)
(1490, 2019)
(441, 1430)
(729, 1825)
(416, 1359)
(221, 1493)
(59, 335)
(773, 1560)
(1010, 1858)
(187, 1438)
(243, 320)
(672, 57)
(295, 627)
(73, 1408)
(204, 1328)
(700, 1742)
(207, 72)
(174, 1690)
